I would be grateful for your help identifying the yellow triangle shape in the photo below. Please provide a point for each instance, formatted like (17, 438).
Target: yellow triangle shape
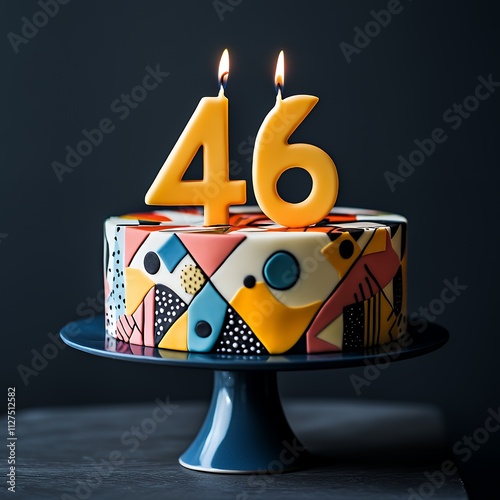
(137, 285)
(333, 333)
(176, 336)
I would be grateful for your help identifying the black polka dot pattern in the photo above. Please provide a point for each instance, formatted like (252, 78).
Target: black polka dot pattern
(354, 327)
(192, 279)
(168, 308)
(398, 290)
(117, 284)
(237, 337)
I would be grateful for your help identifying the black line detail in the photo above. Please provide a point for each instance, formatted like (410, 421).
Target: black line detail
(369, 286)
(128, 322)
(379, 313)
(368, 324)
(362, 291)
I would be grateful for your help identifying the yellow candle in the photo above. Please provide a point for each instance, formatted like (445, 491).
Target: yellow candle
(207, 128)
(273, 155)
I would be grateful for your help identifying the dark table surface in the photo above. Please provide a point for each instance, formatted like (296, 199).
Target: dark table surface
(363, 450)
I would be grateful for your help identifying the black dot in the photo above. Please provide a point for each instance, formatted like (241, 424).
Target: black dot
(203, 329)
(346, 249)
(151, 263)
(249, 281)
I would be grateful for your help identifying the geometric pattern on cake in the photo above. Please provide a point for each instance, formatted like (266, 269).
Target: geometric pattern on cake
(253, 287)
(114, 277)
(192, 279)
(168, 308)
(210, 250)
(278, 326)
(205, 319)
(354, 322)
(172, 252)
(237, 337)
(175, 337)
(363, 274)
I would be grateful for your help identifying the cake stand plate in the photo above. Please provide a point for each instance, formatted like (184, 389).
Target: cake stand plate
(245, 430)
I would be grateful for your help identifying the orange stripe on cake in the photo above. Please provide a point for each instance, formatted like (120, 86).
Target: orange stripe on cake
(148, 217)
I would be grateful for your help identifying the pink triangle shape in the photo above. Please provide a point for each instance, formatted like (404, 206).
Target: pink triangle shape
(149, 318)
(210, 250)
(133, 240)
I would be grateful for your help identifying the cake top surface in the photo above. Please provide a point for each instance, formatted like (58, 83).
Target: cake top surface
(251, 219)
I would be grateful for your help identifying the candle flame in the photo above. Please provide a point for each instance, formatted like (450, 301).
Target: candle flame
(224, 69)
(279, 77)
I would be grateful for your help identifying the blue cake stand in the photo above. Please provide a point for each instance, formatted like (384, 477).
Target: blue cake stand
(245, 430)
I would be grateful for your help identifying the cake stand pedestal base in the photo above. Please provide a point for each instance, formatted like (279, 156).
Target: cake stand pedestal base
(245, 428)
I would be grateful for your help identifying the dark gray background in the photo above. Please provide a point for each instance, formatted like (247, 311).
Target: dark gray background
(371, 110)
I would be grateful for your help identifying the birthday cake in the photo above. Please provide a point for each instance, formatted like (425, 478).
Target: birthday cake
(253, 287)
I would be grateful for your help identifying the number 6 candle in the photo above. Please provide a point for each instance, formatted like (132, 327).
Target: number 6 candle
(207, 128)
(273, 155)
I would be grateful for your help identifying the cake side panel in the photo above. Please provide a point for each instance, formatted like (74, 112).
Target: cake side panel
(256, 290)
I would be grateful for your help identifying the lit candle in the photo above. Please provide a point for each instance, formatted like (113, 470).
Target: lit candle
(273, 155)
(207, 128)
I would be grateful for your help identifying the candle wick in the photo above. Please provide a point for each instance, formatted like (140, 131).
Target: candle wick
(279, 89)
(223, 80)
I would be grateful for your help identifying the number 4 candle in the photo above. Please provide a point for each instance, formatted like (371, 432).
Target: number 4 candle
(207, 128)
(273, 155)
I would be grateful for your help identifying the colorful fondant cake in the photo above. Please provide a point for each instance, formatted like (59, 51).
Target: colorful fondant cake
(254, 287)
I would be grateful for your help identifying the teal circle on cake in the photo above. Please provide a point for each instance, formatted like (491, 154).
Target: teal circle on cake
(281, 271)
